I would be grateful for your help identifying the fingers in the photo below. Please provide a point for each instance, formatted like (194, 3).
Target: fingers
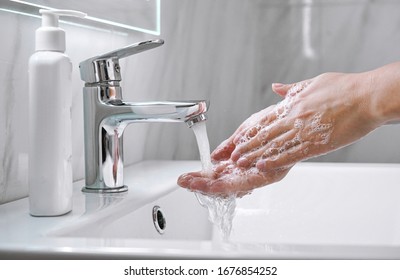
(276, 133)
(271, 150)
(236, 181)
(252, 140)
(256, 135)
(259, 141)
(223, 151)
(269, 127)
(282, 160)
(194, 181)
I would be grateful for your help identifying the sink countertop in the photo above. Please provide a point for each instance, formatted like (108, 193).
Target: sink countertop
(24, 236)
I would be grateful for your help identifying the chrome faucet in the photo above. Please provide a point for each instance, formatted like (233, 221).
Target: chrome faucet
(106, 115)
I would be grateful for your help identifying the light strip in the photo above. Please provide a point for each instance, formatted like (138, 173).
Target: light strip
(65, 22)
(104, 21)
(19, 13)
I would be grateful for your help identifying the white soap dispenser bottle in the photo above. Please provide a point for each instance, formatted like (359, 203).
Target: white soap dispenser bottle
(50, 97)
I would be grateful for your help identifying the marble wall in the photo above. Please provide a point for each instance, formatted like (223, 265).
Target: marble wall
(227, 51)
(231, 51)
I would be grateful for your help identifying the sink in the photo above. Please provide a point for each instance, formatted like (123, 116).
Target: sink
(319, 211)
(326, 210)
(175, 216)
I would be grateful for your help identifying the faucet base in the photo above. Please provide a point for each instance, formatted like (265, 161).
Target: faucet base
(104, 190)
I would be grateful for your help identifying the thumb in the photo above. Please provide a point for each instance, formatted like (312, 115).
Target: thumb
(283, 89)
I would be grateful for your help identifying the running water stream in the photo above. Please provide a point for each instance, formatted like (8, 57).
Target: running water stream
(221, 210)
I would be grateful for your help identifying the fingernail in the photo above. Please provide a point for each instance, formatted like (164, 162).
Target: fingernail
(277, 85)
(184, 180)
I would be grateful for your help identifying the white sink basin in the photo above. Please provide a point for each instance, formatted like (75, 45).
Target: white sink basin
(318, 211)
(178, 216)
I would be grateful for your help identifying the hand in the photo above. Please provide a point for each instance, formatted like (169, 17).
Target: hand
(317, 116)
(229, 179)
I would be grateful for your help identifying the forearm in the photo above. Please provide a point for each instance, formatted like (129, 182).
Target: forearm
(383, 88)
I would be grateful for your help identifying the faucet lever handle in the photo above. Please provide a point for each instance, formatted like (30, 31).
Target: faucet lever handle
(131, 49)
(105, 67)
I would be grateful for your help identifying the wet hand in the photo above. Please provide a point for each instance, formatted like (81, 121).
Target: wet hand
(317, 116)
(229, 179)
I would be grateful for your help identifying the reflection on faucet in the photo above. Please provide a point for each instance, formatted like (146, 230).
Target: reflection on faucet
(106, 116)
(93, 204)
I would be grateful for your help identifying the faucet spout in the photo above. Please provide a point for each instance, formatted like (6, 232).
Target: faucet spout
(105, 118)
(106, 115)
(158, 111)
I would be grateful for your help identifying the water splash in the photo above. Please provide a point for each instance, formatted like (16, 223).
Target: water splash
(221, 210)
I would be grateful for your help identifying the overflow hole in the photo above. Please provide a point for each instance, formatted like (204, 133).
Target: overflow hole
(159, 219)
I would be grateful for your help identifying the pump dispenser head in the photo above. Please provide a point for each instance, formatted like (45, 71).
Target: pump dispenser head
(49, 37)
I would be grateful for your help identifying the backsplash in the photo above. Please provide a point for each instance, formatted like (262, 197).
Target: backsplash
(227, 51)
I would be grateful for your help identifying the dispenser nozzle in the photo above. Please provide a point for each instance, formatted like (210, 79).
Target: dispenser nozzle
(66, 13)
(49, 37)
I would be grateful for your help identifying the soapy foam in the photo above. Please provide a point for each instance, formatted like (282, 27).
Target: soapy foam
(283, 108)
(320, 132)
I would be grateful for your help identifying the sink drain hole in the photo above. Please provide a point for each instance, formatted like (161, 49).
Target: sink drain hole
(159, 219)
